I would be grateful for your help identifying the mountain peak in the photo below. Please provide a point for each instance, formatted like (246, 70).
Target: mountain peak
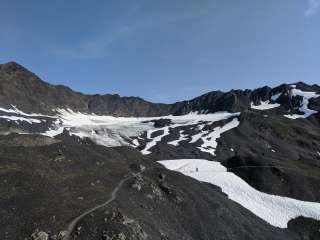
(12, 67)
(13, 71)
(22, 88)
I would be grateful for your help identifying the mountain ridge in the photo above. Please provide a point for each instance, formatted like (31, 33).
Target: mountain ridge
(25, 90)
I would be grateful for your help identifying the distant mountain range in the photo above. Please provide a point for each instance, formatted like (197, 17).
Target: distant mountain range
(243, 164)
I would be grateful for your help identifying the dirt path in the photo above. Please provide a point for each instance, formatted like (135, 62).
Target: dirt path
(113, 196)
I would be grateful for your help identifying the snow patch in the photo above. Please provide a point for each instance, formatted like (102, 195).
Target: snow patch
(15, 110)
(135, 142)
(184, 120)
(198, 136)
(275, 96)
(182, 137)
(306, 96)
(275, 210)
(210, 143)
(21, 119)
(265, 105)
(154, 140)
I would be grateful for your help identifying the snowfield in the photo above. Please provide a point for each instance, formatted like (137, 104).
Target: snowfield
(125, 131)
(275, 210)
(304, 104)
(119, 131)
(210, 143)
(182, 137)
(20, 119)
(17, 115)
(15, 110)
(306, 96)
(209, 139)
(265, 105)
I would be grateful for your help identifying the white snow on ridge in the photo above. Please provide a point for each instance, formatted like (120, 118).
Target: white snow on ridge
(304, 105)
(275, 210)
(265, 105)
(210, 140)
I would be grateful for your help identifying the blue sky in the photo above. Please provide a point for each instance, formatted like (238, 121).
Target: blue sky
(163, 51)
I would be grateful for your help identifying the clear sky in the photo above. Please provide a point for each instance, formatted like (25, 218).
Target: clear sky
(164, 50)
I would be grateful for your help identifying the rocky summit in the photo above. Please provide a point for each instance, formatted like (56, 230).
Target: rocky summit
(240, 165)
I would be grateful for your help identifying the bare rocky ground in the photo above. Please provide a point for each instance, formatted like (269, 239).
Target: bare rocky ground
(44, 187)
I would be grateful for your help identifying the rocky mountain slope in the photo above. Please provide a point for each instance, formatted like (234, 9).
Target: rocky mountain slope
(243, 164)
(22, 88)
